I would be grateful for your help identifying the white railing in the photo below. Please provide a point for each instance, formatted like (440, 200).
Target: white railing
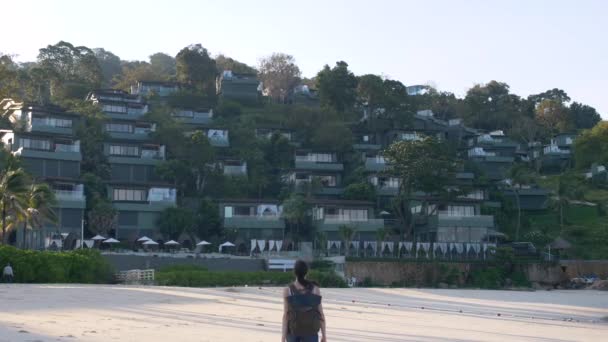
(69, 194)
(67, 148)
(344, 218)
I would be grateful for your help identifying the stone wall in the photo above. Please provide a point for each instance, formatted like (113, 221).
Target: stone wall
(130, 262)
(403, 273)
(410, 273)
(577, 268)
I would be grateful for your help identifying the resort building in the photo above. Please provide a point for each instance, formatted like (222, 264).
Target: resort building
(44, 137)
(239, 87)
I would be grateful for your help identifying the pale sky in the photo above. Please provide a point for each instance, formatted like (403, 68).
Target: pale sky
(453, 44)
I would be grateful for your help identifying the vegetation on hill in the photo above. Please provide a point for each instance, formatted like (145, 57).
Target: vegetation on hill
(64, 74)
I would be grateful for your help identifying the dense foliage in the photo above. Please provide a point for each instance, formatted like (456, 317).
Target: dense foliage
(343, 105)
(79, 266)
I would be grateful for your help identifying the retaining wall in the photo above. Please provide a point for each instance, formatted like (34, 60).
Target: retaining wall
(130, 262)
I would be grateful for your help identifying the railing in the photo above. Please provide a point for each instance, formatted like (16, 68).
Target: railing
(69, 194)
(258, 217)
(135, 276)
(147, 154)
(67, 148)
(344, 218)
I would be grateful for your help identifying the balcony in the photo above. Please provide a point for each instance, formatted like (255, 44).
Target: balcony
(50, 125)
(71, 198)
(145, 157)
(60, 152)
(376, 164)
(332, 223)
(235, 170)
(124, 113)
(475, 221)
(192, 117)
(254, 222)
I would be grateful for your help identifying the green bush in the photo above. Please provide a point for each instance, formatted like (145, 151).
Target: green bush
(322, 265)
(327, 279)
(488, 278)
(80, 266)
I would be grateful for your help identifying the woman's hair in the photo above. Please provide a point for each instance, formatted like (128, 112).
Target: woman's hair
(300, 269)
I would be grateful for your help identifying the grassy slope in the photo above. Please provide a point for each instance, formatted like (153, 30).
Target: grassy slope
(585, 226)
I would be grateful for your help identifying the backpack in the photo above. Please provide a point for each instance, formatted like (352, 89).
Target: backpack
(303, 314)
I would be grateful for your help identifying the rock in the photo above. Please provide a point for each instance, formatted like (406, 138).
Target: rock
(443, 286)
(601, 285)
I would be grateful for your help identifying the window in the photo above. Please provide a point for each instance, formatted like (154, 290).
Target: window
(118, 127)
(114, 108)
(327, 180)
(457, 210)
(54, 122)
(35, 144)
(134, 195)
(242, 211)
(122, 150)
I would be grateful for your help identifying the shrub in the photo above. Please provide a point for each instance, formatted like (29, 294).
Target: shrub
(80, 266)
(327, 279)
(488, 278)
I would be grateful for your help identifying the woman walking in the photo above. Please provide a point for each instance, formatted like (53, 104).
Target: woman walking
(303, 315)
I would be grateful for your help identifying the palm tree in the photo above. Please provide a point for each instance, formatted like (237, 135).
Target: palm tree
(38, 201)
(382, 234)
(13, 186)
(347, 232)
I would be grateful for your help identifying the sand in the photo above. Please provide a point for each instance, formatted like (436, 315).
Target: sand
(169, 314)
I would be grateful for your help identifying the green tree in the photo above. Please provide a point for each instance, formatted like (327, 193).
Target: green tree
(554, 94)
(136, 71)
(424, 165)
(362, 191)
(208, 223)
(175, 221)
(196, 68)
(226, 63)
(491, 106)
(201, 155)
(337, 87)
(13, 188)
(163, 64)
(583, 116)
(72, 70)
(9, 78)
(37, 208)
(333, 136)
(295, 212)
(279, 75)
(553, 116)
(110, 65)
(591, 146)
(347, 233)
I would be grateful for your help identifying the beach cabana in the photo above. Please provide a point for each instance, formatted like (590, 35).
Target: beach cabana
(226, 244)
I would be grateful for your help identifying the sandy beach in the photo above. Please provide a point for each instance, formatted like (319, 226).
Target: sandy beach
(151, 314)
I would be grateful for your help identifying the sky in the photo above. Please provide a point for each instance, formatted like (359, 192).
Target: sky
(532, 45)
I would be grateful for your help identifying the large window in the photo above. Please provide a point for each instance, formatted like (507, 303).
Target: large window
(135, 195)
(35, 144)
(114, 108)
(459, 210)
(119, 127)
(54, 122)
(124, 150)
